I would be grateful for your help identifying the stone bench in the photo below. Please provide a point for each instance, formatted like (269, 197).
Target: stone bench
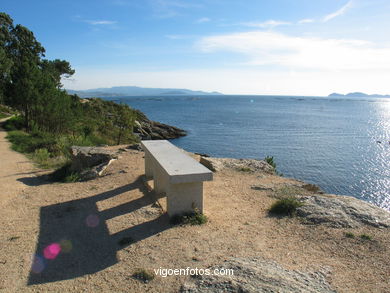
(177, 175)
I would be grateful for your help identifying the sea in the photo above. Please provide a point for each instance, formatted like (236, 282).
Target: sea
(341, 144)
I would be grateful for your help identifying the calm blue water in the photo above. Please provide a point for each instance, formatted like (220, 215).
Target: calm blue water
(331, 142)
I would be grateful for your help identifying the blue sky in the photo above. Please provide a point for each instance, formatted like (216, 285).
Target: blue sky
(300, 47)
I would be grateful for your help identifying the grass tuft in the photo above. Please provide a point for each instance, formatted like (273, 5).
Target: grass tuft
(194, 218)
(245, 169)
(349, 235)
(365, 237)
(285, 206)
(143, 275)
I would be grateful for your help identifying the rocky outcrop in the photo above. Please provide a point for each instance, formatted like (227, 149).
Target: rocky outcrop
(342, 212)
(259, 275)
(218, 164)
(91, 162)
(147, 129)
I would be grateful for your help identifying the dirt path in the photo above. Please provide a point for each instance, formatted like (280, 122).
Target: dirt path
(16, 171)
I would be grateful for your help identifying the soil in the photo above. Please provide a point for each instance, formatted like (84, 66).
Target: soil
(92, 236)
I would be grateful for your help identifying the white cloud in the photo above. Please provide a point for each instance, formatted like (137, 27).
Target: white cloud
(339, 12)
(266, 24)
(306, 20)
(203, 20)
(271, 48)
(100, 22)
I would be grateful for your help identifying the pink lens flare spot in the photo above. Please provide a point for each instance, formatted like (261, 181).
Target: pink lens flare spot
(38, 264)
(51, 251)
(92, 221)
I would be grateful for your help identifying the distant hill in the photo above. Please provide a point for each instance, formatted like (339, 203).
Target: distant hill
(359, 95)
(135, 91)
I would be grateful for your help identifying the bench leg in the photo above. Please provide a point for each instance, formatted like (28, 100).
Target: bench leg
(148, 166)
(160, 181)
(184, 198)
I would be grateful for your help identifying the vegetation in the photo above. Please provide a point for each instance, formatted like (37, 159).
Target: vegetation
(143, 275)
(349, 235)
(270, 160)
(245, 169)
(285, 206)
(365, 237)
(49, 119)
(194, 218)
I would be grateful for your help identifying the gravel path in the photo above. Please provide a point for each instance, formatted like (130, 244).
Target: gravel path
(17, 173)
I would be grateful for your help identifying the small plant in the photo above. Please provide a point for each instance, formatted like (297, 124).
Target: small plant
(285, 206)
(365, 237)
(194, 218)
(245, 169)
(270, 160)
(41, 157)
(349, 235)
(143, 275)
(72, 177)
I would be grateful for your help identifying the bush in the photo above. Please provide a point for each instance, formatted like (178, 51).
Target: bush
(285, 206)
(14, 123)
(41, 156)
(27, 143)
(193, 218)
(365, 237)
(245, 169)
(143, 275)
(270, 160)
(349, 235)
(64, 175)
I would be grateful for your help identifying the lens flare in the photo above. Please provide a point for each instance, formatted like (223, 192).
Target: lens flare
(51, 251)
(92, 221)
(38, 264)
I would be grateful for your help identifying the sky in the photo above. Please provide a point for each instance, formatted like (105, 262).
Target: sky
(277, 47)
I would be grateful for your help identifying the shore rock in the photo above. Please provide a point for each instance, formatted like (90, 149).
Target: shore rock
(91, 162)
(218, 164)
(147, 129)
(259, 275)
(342, 212)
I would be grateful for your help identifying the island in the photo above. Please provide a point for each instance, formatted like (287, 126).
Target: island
(118, 91)
(358, 95)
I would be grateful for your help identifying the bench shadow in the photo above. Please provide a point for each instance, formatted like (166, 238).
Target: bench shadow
(74, 239)
(34, 180)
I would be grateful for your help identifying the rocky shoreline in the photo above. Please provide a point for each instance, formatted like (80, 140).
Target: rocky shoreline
(147, 129)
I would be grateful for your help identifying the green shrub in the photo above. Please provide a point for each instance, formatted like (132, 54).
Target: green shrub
(365, 237)
(64, 175)
(72, 177)
(270, 160)
(193, 218)
(14, 123)
(285, 206)
(143, 275)
(41, 156)
(349, 235)
(245, 169)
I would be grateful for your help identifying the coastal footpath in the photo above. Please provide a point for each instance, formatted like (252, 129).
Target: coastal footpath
(110, 227)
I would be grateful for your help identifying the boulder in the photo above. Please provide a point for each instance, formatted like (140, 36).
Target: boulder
(342, 212)
(218, 164)
(91, 162)
(258, 275)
